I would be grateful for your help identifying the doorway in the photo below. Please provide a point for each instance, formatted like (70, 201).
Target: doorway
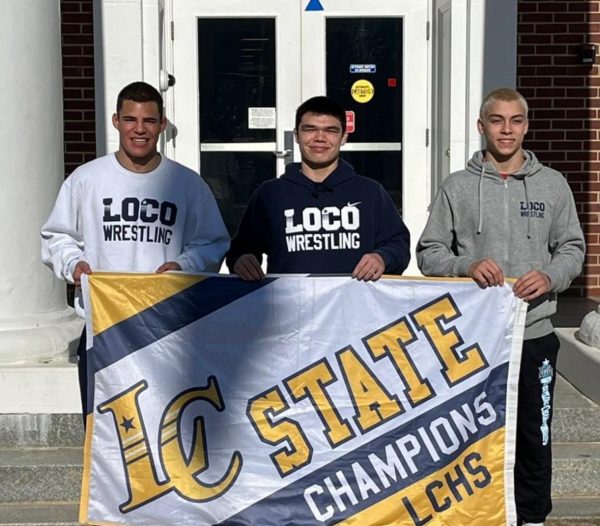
(241, 73)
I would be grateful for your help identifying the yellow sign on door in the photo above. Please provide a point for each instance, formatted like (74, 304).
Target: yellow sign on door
(362, 91)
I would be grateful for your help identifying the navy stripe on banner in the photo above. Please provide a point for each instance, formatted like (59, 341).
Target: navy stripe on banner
(167, 316)
(289, 506)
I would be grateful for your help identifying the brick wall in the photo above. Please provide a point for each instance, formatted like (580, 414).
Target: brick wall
(564, 101)
(78, 82)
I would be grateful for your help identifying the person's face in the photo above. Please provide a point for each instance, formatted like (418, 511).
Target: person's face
(504, 128)
(320, 138)
(139, 125)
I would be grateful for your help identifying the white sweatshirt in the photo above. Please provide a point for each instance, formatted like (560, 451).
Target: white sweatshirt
(123, 221)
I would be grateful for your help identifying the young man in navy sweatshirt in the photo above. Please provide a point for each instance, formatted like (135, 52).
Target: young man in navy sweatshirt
(320, 216)
(507, 215)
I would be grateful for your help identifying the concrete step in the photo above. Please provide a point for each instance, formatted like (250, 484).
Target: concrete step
(41, 430)
(40, 475)
(40, 514)
(583, 511)
(576, 417)
(576, 468)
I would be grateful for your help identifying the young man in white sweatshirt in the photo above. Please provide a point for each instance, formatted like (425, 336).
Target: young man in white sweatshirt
(133, 210)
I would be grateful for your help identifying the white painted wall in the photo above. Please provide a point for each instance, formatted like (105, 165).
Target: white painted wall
(35, 323)
(127, 47)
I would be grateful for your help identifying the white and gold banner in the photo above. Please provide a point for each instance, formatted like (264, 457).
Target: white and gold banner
(300, 401)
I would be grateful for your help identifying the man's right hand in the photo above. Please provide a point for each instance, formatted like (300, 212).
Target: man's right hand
(81, 268)
(248, 268)
(486, 272)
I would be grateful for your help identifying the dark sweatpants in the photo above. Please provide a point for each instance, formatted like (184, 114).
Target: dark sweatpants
(82, 374)
(533, 462)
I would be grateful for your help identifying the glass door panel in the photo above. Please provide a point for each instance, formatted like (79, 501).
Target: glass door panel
(236, 64)
(364, 72)
(237, 87)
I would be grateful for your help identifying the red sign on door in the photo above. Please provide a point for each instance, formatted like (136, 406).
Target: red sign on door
(350, 122)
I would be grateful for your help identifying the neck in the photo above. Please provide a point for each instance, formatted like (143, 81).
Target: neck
(508, 165)
(138, 165)
(318, 173)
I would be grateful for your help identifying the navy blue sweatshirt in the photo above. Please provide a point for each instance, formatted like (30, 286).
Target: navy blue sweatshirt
(321, 228)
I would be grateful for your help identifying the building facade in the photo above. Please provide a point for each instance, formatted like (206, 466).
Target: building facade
(410, 73)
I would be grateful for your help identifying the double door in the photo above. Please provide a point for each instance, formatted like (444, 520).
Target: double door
(242, 68)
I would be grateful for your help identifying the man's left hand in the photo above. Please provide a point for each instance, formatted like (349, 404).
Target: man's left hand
(169, 265)
(531, 285)
(369, 268)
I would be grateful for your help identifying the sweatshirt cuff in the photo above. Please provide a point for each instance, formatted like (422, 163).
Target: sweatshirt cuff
(461, 267)
(70, 269)
(554, 278)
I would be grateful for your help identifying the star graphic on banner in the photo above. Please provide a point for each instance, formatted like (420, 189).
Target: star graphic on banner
(127, 424)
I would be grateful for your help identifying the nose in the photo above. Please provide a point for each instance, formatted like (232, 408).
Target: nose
(139, 126)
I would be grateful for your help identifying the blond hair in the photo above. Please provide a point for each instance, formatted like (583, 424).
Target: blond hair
(503, 94)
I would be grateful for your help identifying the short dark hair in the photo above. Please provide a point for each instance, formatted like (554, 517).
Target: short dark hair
(322, 105)
(140, 92)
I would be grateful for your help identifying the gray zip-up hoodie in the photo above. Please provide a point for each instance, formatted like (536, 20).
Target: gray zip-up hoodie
(525, 222)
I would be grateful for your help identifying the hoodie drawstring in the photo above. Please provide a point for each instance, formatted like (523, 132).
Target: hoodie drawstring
(527, 205)
(480, 224)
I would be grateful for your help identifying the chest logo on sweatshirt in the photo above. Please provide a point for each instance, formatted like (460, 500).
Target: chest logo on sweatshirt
(328, 228)
(533, 209)
(139, 220)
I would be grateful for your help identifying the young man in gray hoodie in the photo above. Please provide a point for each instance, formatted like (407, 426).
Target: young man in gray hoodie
(507, 215)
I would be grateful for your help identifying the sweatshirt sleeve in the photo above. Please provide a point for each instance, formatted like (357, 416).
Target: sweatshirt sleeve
(392, 238)
(435, 256)
(205, 237)
(62, 240)
(249, 238)
(566, 244)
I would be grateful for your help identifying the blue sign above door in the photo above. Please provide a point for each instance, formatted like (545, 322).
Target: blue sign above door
(314, 5)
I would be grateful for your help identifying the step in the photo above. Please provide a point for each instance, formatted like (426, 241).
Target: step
(40, 475)
(566, 512)
(583, 511)
(576, 417)
(41, 430)
(40, 514)
(576, 469)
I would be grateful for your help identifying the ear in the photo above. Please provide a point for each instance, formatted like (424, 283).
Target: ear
(526, 127)
(115, 120)
(296, 135)
(344, 138)
(480, 126)
(163, 124)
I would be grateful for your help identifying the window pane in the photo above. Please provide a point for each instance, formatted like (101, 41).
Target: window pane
(377, 44)
(236, 72)
(233, 177)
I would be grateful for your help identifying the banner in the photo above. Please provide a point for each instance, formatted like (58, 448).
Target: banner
(300, 401)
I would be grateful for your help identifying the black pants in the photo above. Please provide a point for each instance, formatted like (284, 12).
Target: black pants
(82, 374)
(533, 462)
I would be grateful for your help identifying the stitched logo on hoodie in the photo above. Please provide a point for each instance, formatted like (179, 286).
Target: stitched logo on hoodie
(533, 209)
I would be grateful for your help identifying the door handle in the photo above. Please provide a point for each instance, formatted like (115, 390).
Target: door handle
(287, 154)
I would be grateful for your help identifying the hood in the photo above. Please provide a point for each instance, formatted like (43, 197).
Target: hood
(343, 172)
(478, 167)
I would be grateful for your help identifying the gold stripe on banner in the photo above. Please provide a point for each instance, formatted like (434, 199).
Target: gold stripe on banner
(117, 296)
(470, 491)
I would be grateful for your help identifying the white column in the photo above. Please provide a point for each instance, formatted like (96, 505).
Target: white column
(36, 325)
